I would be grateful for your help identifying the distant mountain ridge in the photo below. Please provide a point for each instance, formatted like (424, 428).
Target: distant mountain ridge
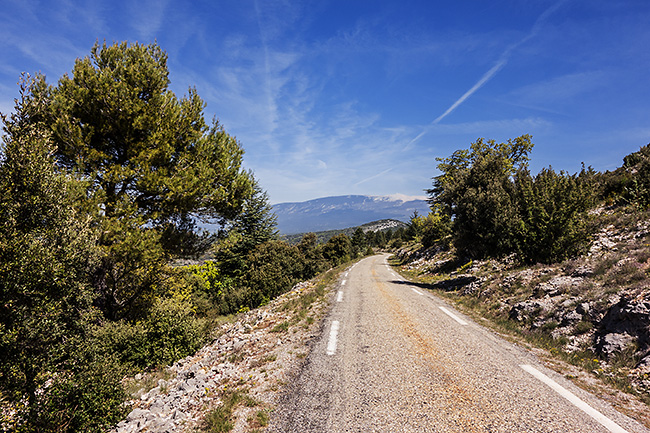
(332, 213)
(324, 236)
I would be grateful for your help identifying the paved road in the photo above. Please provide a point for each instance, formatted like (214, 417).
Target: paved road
(395, 358)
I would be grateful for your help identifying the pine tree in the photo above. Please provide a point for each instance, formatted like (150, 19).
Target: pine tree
(150, 163)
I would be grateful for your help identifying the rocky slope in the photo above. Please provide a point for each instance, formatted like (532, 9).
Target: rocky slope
(593, 311)
(253, 357)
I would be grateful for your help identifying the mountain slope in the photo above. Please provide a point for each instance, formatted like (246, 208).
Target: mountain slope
(339, 212)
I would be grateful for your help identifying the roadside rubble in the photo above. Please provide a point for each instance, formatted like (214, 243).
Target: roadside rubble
(254, 355)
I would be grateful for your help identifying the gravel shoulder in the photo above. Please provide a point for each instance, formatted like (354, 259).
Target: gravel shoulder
(255, 356)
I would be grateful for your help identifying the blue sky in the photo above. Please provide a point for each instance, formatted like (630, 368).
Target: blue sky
(360, 97)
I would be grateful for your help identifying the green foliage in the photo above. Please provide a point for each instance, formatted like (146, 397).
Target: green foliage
(219, 420)
(358, 242)
(628, 184)
(553, 207)
(314, 263)
(274, 267)
(254, 225)
(170, 332)
(476, 190)
(47, 251)
(88, 399)
(338, 249)
(415, 227)
(149, 162)
(432, 229)
(637, 166)
(498, 208)
(215, 292)
(379, 239)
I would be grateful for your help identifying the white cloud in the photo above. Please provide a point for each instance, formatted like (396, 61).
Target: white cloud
(146, 17)
(559, 89)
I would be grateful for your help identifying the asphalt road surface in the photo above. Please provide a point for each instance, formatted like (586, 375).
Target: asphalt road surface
(395, 358)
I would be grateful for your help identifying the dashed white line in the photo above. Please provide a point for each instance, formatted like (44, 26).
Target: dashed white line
(453, 316)
(339, 296)
(343, 282)
(417, 291)
(575, 400)
(334, 332)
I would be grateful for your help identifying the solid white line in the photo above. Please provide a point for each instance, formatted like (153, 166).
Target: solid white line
(453, 316)
(339, 296)
(417, 291)
(334, 332)
(575, 400)
(343, 282)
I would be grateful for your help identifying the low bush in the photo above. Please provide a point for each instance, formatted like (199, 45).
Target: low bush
(170, 332)
(88, 398)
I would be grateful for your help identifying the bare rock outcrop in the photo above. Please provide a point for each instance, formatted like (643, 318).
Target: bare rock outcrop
(626, 326)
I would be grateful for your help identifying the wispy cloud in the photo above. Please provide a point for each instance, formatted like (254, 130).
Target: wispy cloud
(558, 90)
(147, 17)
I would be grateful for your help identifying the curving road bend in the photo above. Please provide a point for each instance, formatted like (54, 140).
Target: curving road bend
(395, 358)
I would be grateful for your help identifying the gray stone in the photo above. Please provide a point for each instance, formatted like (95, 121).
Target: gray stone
(570, 317)
(612, 343)
(626, 322)
(177, 415)
(545, 289)
(159, 407)
(526, 310)
(136, 415)
(583, 308)
(159, 425)
(583, 271)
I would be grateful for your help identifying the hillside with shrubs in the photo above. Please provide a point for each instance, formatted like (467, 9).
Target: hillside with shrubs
(559, 260)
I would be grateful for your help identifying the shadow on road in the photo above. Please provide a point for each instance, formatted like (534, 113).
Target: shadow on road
(446, 285)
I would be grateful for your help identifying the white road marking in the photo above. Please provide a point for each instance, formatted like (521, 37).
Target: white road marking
(417, 291)
(339, 296)
(453, 316)
(334, 332)
(343, 282)
(575, 400)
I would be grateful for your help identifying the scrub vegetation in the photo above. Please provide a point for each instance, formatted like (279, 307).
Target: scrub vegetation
(105, 177)
(558, 259)
(104, 273)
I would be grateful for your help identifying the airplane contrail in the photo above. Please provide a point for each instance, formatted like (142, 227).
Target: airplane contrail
(372, 177)
(503, 59)
(484, 79)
